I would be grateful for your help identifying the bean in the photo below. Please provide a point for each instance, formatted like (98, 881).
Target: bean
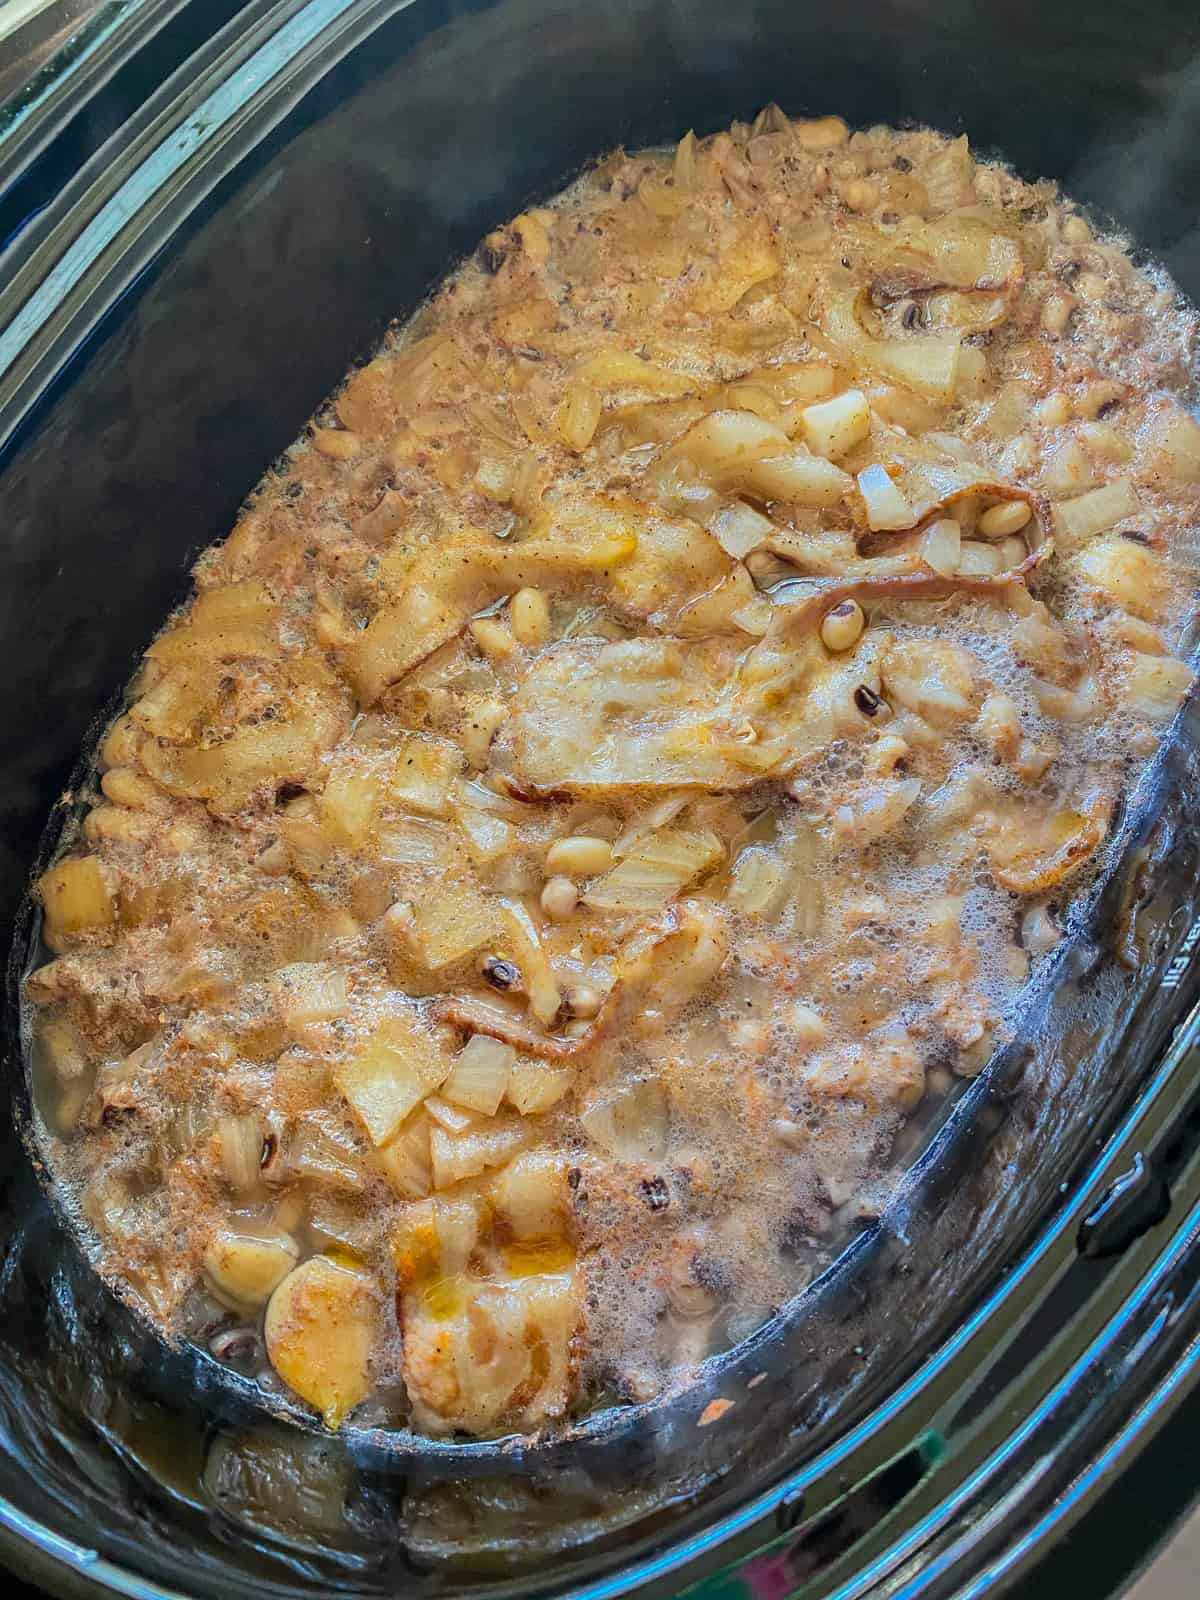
(842, 627)
(581, 856)
(559, 898)
(339, 444)
(529, 618)
(1005, 518)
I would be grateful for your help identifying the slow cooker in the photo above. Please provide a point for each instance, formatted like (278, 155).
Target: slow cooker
(208, 210)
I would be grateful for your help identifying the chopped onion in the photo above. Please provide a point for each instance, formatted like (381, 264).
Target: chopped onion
(60, 1047)
(887, 509)
(971, 374)
(650, 820)
(348, 803)
(832, 427)
(1081, 519)
(754, 617)
(979, 560)
(805, 479)
(632, 1123)
(452, 924)
(655, 871)
(619, 369)
(1176, 438)
(409, 842)
(533, 1086)
(398, 1066)
(941, 545)
(1131, 576)
(241, 1150)
(878, 812)
(423, 773)
(1069, 470)
(723, 442)
(541, 985)
(738, 529)
(453, 1118)
(753, 397)
(479, 1076)
(323, 1157)
(684, 165)
(531, 1194)
(1156, 684)
(310, 991)
(758, 883)
(405, 1160)
(949, 177)
(465, 1155)
(469, 792)
(456, 1224)
(930, 364)
(487, 837)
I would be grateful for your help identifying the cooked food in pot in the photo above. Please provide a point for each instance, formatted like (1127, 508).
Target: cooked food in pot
(624, 761)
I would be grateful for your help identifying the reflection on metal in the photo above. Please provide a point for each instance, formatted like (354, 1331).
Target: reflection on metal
(33, 33)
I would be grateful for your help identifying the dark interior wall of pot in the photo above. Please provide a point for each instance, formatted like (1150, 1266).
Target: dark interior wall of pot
(446, 121)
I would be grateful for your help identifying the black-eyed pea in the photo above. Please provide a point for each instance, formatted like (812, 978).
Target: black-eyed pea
(125, 786)
(819, 134)
(860, 194)
(579, 415)
(583, 1001)
(1053, 411)
(579, 856)
(883, 757)
(119, 825)
(1090, 286)
(559, 898)
(841, 628)
(1097, 396)
(1056, 314)
(121, 743)
(1010, 516)
(492, 638)
(338, 444)
(529, 618)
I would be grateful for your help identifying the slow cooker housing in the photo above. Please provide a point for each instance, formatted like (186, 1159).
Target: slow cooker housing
(204, 227)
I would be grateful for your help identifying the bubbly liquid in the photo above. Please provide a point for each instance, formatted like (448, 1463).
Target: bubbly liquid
(535, 881)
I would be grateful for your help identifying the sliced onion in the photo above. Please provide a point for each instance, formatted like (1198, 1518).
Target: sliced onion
(1089, 514)
(655, 871)
(738, 529)
(479, 1076)
(632, 1123)
(887, 508)
(241, 1150)
(940, 546)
